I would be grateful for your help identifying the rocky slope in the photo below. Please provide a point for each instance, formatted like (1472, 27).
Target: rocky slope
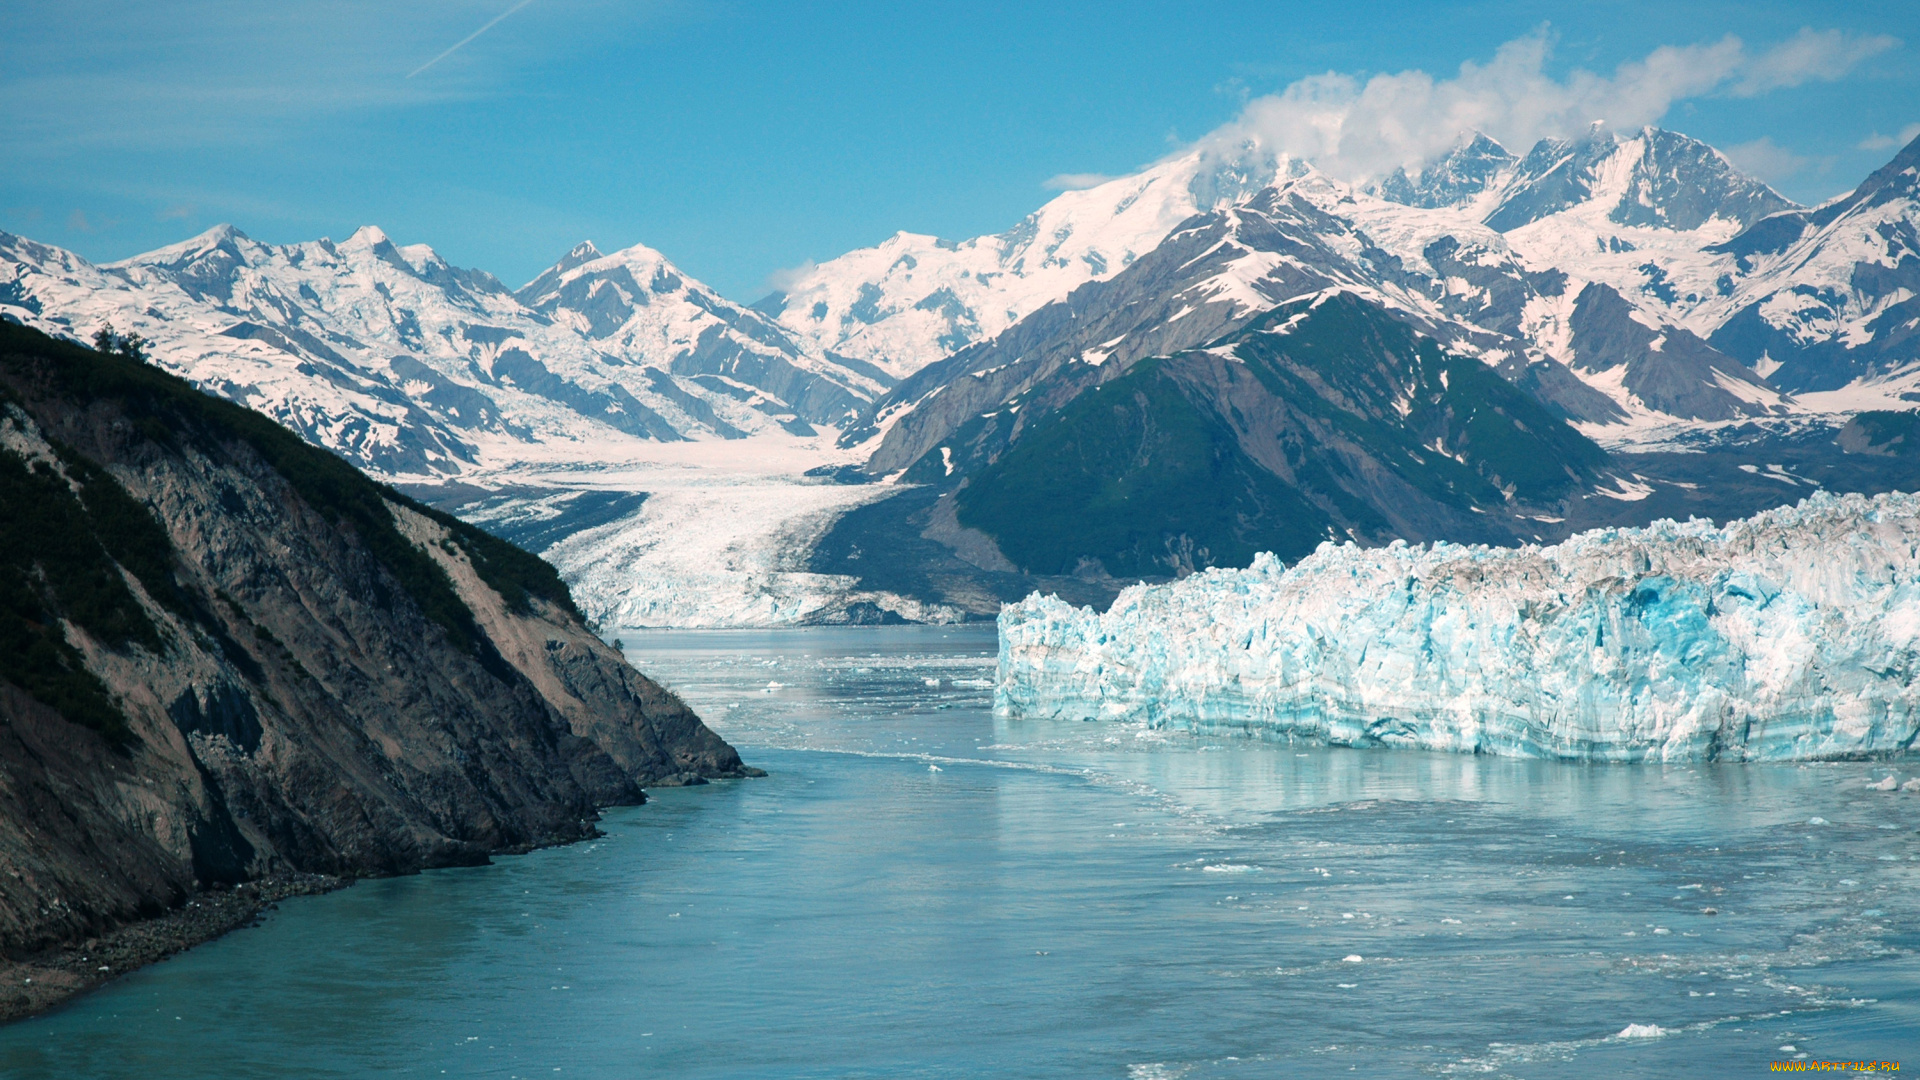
(1324, 418)
(228, 656)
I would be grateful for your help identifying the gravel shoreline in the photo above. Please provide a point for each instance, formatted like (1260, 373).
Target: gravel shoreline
(45, 980)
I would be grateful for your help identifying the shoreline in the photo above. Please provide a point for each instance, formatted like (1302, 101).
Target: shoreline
(50, 978)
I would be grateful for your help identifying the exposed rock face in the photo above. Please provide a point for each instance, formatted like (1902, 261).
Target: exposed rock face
(244, 658)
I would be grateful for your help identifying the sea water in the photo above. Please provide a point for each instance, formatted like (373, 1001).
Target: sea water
(917, 890)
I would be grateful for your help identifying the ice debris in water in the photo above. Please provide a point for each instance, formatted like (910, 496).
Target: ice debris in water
(1794, 634)
(1641, 1031)
(1888, 784)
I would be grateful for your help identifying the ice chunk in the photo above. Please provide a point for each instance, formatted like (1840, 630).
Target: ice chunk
(1889, 784)
(1794, 634)
(1641, 1031)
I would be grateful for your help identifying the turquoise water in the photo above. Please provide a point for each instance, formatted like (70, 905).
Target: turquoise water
(918, 890)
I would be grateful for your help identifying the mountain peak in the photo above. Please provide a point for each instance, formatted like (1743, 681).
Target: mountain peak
(1897, 178)
(219, 234)
(214, 251)
(1474, 165)
(368, 236)
(1653, 179)
(640, 255)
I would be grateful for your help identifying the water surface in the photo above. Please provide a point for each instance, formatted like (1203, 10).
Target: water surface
(918, 890)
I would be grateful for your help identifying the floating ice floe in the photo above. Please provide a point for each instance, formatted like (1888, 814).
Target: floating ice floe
(1641, 1031)
(1791, 635)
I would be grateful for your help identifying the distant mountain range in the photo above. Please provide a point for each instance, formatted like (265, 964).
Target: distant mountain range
(1526, 249)
(411, 367)
(1636, 288)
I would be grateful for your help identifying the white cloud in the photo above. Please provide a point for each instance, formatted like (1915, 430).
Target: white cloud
(1355, 129)
(1074, 181)
(1825, 55)
(1877, 141)
(1764, 159)
(786, 278)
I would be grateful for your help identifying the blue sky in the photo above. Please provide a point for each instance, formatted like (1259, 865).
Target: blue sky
(740, 138)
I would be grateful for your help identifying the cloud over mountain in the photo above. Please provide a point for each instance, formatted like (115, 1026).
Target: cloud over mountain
(1357, 129)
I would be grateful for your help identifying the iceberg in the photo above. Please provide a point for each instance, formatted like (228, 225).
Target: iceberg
(1790, 635)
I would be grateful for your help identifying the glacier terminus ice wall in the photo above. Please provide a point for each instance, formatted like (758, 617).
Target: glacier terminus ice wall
(1788, 635)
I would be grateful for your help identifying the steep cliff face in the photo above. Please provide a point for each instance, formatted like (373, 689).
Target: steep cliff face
(227, 654)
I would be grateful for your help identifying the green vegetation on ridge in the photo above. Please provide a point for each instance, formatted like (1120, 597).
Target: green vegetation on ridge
(1320, 420)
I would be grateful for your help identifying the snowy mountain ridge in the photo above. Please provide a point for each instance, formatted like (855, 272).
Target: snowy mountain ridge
(413, 367)
(1602, 273)
(913, 299)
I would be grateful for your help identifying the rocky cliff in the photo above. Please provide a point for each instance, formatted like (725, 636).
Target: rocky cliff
(225, 655)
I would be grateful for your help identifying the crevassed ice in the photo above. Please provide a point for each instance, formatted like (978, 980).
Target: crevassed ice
(1789, 635)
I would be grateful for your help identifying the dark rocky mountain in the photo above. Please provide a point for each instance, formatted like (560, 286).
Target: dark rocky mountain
(1667, 367)
(1324, 417)
(227, 656)
(1307, 424)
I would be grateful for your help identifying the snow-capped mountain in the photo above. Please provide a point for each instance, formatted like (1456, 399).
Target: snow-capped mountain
(1811, 300)
(634, 303)
(1637, 284)
(1827, 296)
(1594, 299)
(1586, 337)
(413, 367)
(914, 299)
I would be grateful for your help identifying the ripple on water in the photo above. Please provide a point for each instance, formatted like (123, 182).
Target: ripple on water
(1074, 900)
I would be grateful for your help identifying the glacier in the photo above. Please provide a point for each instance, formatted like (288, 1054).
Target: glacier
(1791, 635)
